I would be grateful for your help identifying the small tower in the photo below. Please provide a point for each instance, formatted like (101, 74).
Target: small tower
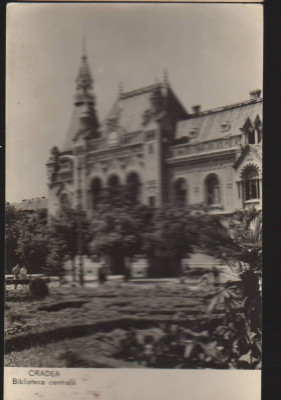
(53, 166)
(84, 118)
(84, 82)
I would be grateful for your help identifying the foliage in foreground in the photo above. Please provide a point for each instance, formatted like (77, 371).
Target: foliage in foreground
(42, 245)
(177, 347)
(14, 223)
(38, 288)
(240, 246)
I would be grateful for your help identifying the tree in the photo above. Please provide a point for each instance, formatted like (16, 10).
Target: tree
(123, 228)
(63, 229)
(171, 236)
(54, 265)
(14, 223)
(118, 225)
(32, 247)
(238, 242)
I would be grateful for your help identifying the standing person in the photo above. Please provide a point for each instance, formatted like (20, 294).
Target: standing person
(102, 273)
(23, 273)
(16, 272)
(127, 270)
(104, 269)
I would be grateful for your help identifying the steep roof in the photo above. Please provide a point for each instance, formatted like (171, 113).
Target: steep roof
(208, 124)
(84, 120)
(129, 109)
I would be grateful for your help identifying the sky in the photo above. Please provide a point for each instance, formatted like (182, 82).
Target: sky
(213, 53)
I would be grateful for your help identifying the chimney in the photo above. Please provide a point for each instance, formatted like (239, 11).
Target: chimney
(196, 109)
(255, 94)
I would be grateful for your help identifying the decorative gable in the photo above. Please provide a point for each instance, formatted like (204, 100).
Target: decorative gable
(250, 157)
(252, 130)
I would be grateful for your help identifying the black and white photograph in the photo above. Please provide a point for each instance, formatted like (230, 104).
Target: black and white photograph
(134, 187)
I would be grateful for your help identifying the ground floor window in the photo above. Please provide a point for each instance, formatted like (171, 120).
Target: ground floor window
(113, 181)
(134, 185)
(96, 191)
(251, 183)
(180, 191)
(213, 195)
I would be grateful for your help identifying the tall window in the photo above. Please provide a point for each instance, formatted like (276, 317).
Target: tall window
(180, 189)
(133, 183)
(113, 181)
(96, 191)
(251, 136)
(251, 180)
(212, 190)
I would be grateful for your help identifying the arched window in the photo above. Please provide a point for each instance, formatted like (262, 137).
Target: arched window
(113, 181)
(133, 183)
(180, 189)
(64, 200)
(213, 196)
(251, 182)
(96, 191)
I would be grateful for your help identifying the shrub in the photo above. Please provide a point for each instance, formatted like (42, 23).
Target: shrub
(38, 288)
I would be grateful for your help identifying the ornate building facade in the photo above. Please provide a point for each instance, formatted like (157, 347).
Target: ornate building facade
(169, 155)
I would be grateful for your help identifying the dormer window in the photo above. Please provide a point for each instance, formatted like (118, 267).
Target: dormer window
(259, 131)
(150, 135)
(258, 126)
(225, 126)
(113, 138)
(194, 133)
(251, 136)
(146, 117)
(252, 131)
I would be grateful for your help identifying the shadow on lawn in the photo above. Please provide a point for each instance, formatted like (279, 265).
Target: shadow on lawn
(27, 340)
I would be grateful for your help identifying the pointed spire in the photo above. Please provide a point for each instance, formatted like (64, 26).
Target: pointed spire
(120, 89)
(84, 79)
(156, 97)
(84, 46)
(165, 77)
(85, 122)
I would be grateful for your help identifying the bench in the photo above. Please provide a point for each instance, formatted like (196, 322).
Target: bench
(10, 281)
(17, 281)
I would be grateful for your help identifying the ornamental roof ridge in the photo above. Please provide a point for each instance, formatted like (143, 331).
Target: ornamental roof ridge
(228, 107)
(142, 90)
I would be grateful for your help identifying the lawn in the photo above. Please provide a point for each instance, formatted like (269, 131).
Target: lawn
(87, 327)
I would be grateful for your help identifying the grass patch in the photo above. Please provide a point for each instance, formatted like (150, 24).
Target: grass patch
(90, 319)
(61, 305)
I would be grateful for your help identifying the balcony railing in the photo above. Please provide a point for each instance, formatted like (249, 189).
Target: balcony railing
(204, 147)
(126, 139)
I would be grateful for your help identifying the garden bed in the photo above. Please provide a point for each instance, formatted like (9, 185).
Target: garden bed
(86, 327)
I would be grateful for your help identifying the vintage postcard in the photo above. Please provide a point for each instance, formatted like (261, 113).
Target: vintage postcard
(133, 201)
